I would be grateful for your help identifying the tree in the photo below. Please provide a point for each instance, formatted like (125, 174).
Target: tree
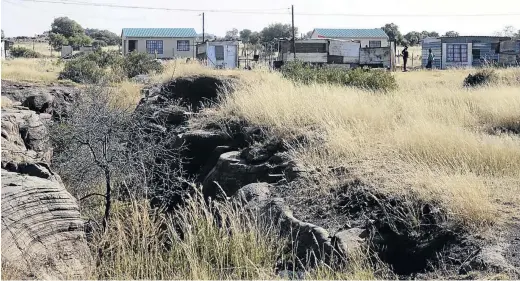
(110, 38)
(79, 40)
(245, 35)
(413, 37)
(425, 34)
(392, 30)
(254, 38)
(3, 35)
(308, 35)
(451, 34)
(231, 34)
(58, 40)
(277, 30)
(66, 27)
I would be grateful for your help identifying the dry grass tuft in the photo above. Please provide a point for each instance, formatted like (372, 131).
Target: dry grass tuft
(6, 102)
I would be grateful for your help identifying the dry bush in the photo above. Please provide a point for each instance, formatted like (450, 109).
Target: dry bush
(430, 129)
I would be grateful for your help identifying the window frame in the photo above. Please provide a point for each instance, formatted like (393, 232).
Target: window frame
(216, 53)
(457, 52)
(371, 42)
(153, 45)
(183, 45)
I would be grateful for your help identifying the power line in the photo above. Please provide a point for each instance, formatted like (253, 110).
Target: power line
(266, 11)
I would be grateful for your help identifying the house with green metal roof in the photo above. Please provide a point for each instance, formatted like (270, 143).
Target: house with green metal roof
(375, 37)
(164, 43)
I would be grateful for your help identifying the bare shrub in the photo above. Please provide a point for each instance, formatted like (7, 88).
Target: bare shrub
(100, 143)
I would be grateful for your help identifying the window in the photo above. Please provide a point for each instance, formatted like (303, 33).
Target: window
(219, 52)
(374, 44)
(457, 53)
(154, 45)
(183, 45)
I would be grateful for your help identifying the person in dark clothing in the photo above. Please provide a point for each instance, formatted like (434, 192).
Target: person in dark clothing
(405, 57)
(431, 57)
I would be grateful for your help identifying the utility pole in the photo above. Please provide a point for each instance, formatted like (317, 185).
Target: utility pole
(293, 35)
(203, 28)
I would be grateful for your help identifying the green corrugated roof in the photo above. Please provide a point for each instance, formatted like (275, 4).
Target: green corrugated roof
(351, 33)
(159, 32)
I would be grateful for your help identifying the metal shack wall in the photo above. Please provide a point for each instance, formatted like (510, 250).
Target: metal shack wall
(436, 46)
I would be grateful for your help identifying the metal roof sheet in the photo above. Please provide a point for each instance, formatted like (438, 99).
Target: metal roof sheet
(159, 32)
(351, 33)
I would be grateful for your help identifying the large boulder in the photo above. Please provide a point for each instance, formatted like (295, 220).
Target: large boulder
(42, 232)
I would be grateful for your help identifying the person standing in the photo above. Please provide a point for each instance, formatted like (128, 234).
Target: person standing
(431, 57)
(405, 57)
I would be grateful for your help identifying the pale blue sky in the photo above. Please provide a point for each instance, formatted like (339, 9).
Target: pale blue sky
(28, 18)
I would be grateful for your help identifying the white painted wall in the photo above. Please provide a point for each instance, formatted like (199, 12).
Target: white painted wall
(169, 47)
(446, 64)
(230, 56)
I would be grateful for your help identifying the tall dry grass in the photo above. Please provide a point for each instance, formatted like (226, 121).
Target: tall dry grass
(31, 70)
(145, 244)
(431, 138)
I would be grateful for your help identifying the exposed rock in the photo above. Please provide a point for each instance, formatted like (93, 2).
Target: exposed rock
(192, 91)
(258, 192)
(42, 233)
(52, 99)
(24, 137)
(199, 145)
(349, 241)
(232, 172)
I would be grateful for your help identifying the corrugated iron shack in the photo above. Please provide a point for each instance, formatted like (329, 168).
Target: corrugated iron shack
(335, 52)
(466, 51)
(219, 54)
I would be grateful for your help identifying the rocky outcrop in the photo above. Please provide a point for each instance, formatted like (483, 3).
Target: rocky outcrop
(191, 91)
(52, 99)
(24, 137)
(42, 233)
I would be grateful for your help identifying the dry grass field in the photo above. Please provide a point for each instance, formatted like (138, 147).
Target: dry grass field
(431, 138)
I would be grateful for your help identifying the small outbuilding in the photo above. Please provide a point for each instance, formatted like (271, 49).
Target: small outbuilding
(164, 43)
(466, 51)
(219, 54)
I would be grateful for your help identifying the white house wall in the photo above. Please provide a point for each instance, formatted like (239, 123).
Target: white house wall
(169, 47)
(363, 41)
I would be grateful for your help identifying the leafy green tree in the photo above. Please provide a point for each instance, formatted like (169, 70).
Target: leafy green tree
(245, 35)
(277, 30)
(106, 36)
(58, 40)
(413, 38)
(66, 27)
(392, 30)
(254, 38)
(232, 34)
(79, 40)
(451, 34)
